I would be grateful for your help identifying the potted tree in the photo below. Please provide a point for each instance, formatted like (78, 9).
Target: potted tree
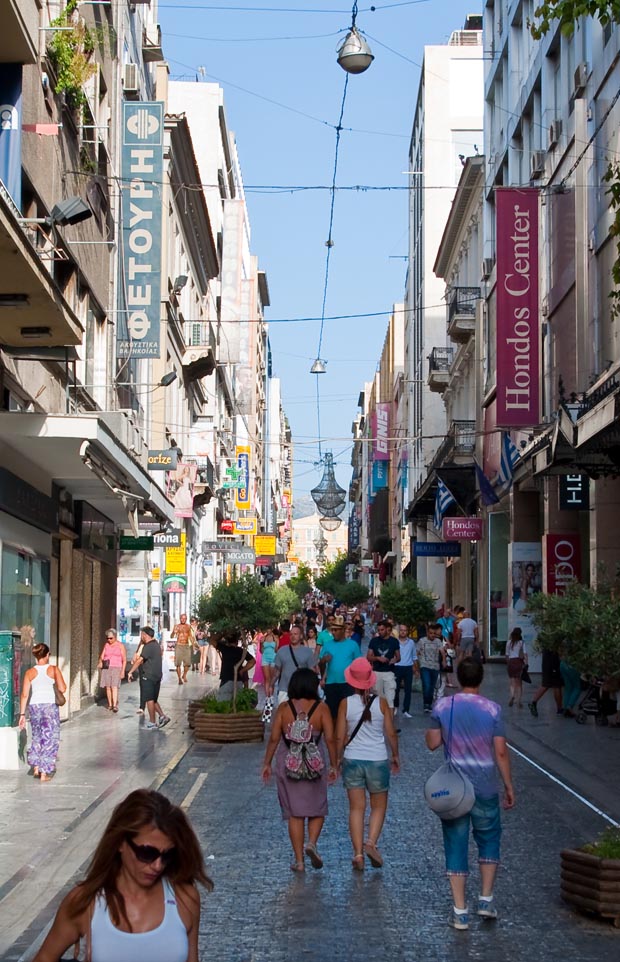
(591, 877)
(232, 610)
(407, 603)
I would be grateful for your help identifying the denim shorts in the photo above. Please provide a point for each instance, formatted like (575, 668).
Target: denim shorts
(486, 826)
(373, 776)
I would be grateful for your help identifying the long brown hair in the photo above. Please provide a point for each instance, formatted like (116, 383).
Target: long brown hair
(141, 809)
(366, 695)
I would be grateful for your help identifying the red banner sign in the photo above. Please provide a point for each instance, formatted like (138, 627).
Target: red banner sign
(462, 529)
(562, 562)
(518, 348)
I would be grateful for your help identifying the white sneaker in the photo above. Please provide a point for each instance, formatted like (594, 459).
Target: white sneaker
(395, 712)
(151, 725)
(407, 715)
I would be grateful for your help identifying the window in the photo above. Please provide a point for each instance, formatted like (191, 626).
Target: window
(25, 595)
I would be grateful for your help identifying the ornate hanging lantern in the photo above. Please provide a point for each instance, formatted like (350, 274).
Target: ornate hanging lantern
(329, 497)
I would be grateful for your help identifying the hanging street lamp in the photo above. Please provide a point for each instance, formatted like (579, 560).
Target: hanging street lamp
(354, 55)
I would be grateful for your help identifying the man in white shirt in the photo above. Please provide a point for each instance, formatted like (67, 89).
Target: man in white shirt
(465, 636)
(403, 670)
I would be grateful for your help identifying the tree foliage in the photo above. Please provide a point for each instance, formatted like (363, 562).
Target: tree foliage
(407, 603)
(333, 576)
(582, 625)
(301, 583)
(352, 593)
(242, 605)
(285, 599)
(567, 12)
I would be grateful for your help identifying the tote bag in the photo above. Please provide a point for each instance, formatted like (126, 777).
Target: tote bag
(448, 792)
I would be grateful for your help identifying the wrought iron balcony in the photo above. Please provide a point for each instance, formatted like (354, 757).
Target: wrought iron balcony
(464, 437)
(439, 362)
(462, 312)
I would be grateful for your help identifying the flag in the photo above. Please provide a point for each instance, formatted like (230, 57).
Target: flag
(443, 499)
(508, 460)
(487, 494)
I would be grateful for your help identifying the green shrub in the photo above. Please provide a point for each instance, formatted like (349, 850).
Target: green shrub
(607, 846)
(407, 603)
(247, 699)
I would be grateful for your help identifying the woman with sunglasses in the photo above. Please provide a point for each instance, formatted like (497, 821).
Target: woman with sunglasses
(112, 661)
(139, 899)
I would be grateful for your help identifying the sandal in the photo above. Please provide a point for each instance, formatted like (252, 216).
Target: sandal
(373, 854)
(313, 855)
(298, 867)
(115, 708)
(358, 863)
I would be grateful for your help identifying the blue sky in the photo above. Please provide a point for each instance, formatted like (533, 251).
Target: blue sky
(263, 75)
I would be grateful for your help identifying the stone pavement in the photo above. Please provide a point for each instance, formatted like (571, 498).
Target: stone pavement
(260, 911)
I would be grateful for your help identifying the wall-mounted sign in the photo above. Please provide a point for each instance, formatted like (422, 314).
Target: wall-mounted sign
(142, 161)
(168, 539)
(381, 432)
(226, 526)
(176, 558)
(142, 543)
(155, 574)
(245, 526)
(162, 460)
(574, 492)
(220, 546)
(174, 584)
(241, 556)
(561, 561)
(436, 549)
(462, 529)
(11, 130)
(242, 494)
(265, 544)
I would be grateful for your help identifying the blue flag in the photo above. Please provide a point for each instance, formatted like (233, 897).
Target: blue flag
(487, 494)
(443, 499)
(509, 458)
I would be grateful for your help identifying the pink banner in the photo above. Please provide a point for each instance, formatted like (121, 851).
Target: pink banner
(518, 329)
(562, 561)
(462, 529)
(381, 432)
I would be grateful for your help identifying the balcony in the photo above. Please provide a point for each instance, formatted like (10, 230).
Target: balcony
(32, 308)
(463, 434)
(19, 31)
(152, 50)
(462, 312)
(199, 358)
(439, 363)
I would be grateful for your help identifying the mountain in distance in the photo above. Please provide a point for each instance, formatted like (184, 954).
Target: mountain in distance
(303, 506)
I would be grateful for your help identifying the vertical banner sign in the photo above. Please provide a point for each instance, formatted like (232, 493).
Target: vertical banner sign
(142, 163)
(11, 130)
(242, 494)
(231, 306)
(381, 432)
(562, 561)
(518, 338)
(243, 371)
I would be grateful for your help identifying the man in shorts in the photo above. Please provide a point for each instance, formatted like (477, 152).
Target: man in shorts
(383, 653)
(185, 638)
(150, 665)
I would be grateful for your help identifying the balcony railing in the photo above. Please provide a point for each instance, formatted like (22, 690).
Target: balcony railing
(464, 436)
(463, 302)
(440, 359)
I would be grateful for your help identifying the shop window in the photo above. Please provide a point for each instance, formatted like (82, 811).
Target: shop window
(25, 596)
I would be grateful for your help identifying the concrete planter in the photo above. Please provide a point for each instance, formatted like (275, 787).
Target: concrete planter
(192, 708)
(591, 884)
(247, 727)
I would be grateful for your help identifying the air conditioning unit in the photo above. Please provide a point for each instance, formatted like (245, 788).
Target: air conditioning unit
(555, 132)
(486, 268)
(581, 80)
(131, 80)
(537, 164)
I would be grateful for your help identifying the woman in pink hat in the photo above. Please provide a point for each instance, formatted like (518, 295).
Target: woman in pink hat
(364, 723)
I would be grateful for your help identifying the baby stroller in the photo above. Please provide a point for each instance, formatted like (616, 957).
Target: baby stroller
(591, 703)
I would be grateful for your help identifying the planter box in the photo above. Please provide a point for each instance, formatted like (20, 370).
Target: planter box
(192, 708)
(228, 728)
(591, 884)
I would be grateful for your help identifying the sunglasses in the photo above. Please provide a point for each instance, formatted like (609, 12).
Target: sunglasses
(148, 853)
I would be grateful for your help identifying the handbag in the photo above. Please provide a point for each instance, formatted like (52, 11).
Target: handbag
(105, 662)
(525, 676)
(448, 792)
(59, 696)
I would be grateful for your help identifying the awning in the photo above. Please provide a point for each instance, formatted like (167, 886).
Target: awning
(460, 479)
(81, 454)
(32, 308)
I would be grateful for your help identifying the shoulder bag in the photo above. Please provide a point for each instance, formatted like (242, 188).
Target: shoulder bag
(59, 695)
(448, 792)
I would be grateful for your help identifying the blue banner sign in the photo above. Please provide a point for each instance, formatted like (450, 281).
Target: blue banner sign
(11, 130)
(142, 163)
(379, 476)
(436, 549)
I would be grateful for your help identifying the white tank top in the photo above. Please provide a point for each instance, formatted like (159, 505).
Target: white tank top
(369, 743)
(167, 943)
(42, 687)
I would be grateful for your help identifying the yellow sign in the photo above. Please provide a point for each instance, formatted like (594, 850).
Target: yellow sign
(245, 526)
(242, 460)
(175, 558)
(265, 544)
(293, 560)
(155, 574)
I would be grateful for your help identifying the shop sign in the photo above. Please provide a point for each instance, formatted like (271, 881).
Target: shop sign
(241, 556)
(168, 539)
(265, 544)
(155, 574)
(220, 546)
(162, 460)
(574, 492)
(462, 529)
(22, 501)
(226, 527)
(379, 477)
(562, 553)
(436, 549)
(142, 161)
(381, 432)
(11, 129)
(142, 543)
(245, 526)
(176, 558)
(174, 584)
(518, 349)
(242, 492)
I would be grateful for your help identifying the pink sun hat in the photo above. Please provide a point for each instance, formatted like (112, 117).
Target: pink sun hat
(359, 674)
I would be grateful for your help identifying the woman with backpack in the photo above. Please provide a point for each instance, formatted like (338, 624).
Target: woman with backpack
(364, 723)
(301, 730)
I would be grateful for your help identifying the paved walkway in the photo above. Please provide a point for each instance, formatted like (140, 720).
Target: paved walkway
(259, 911)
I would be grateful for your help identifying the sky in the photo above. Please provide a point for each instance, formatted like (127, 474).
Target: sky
(283, 88)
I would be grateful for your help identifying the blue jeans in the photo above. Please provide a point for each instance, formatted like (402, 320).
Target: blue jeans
(428, 677)
(487, 830)
(404, 674)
